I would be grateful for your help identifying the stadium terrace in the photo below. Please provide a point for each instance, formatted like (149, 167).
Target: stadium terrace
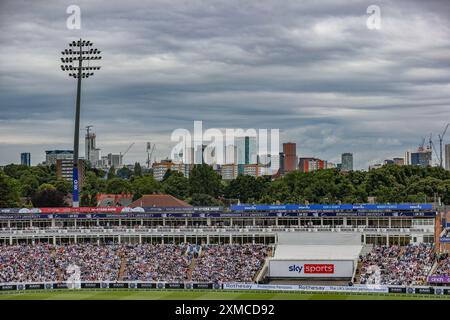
(382, 244)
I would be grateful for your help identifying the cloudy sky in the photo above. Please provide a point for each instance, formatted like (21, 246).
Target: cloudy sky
(313, 69)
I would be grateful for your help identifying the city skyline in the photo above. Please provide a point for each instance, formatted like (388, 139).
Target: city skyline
(314, 71)
(245, 153)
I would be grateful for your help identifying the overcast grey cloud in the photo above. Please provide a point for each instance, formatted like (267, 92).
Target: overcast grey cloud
(311, 68)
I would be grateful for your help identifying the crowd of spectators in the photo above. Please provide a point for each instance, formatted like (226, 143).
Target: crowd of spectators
(130, 262)
(160, 262)
(443, 266)
(24, 263)
(395, 265)
(96, 263)
(229, 263)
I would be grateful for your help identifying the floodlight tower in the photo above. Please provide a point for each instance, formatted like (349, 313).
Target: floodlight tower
(82, 52)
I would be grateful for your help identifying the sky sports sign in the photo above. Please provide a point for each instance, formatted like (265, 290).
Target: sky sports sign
(310, 268)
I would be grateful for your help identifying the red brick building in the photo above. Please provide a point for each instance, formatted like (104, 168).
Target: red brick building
(311, 164)
(290, 156)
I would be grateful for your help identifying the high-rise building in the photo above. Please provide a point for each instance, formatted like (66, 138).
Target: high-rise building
(275, 163)
(92, 154)
(229, 171)
(347, 161)
(408, 158)
(52, 155)
(422, 157)
(25, 159)
(396, 161)
(281, 163)
(189, 158)
(104, 162)
(231, 154)
(399, 161)
(209, 154)
(447, 156)
(64, 170)
(290, 156)
(114, 160)
(311, 164)
(253, 170)
(200, 154)
(186, 155)
(160, 168)
(246, 150)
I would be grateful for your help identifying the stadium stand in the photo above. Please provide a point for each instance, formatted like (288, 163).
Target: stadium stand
(148, 262)
(24, 263)
(144, 262)
(229, 263)
(443, 266)
(97, 263)
(396, 265)
(162, 239)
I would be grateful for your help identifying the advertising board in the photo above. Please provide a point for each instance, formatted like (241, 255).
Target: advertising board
(311, 268)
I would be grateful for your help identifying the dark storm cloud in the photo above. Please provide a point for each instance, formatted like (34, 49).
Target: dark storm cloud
(311, 68)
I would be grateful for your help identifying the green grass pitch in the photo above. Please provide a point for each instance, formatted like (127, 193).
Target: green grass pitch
(202, 295)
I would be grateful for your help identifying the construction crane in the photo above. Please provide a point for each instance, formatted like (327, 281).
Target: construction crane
(431, 146)
(126, 151)
(441, 139)
(422, 145)
(150, 151)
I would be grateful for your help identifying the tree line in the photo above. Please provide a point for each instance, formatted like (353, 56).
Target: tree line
(38, 186)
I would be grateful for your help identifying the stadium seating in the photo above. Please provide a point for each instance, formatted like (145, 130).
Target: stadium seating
(443, 266)
(143, 262)
(395, 265)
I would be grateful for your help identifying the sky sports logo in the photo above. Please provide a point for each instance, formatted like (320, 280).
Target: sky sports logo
(312, 268)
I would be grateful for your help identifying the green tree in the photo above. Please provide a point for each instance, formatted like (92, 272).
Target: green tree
(202, 199)
(63, 186)
(15, 170)
(145, 185)
(92, 186)
(169, 173)
(246, 187)
(111, 173)
(204, 180)
(9, 192)
(46, 186)
(45, 174)
(48, 196)
(176, 185)
(137, 169)
(124, 173)
(29, 185)
(118, 186)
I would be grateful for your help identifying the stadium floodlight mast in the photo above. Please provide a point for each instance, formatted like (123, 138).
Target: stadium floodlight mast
(72, 58)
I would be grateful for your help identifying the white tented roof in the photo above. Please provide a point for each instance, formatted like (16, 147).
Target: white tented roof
(316, 252)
